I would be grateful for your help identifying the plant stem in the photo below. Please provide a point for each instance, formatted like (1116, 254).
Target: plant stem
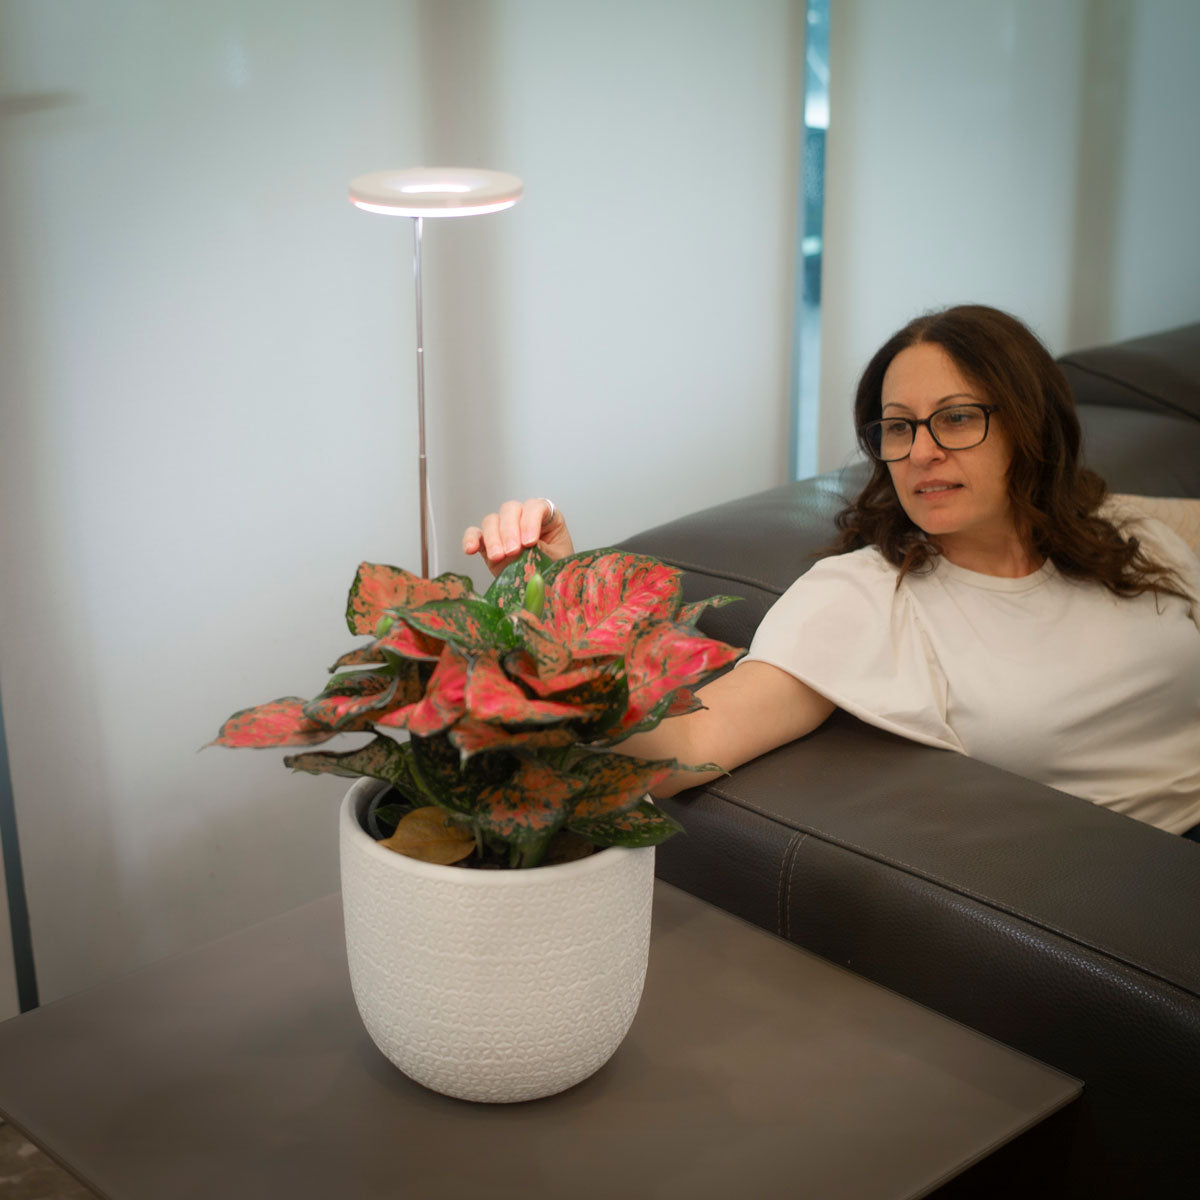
(535, 851)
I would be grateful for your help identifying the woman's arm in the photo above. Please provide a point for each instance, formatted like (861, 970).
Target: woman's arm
(748, 711)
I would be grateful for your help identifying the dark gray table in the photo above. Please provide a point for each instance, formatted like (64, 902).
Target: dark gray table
(240, 1070)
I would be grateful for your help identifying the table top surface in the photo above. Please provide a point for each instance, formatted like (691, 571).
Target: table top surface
(241, 1069)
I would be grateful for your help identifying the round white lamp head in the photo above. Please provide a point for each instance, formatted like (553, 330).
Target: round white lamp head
(436, 192)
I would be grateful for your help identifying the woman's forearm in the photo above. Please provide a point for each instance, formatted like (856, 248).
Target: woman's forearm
(748, 711)
(671, 740)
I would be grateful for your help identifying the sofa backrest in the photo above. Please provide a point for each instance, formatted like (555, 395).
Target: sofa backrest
(1159, 373)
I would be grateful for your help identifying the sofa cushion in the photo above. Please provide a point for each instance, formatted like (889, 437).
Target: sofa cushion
(1160, 372)
(1142, 452)
(1183, 516)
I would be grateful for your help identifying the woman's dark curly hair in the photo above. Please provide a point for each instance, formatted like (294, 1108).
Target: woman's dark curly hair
(1054, 498)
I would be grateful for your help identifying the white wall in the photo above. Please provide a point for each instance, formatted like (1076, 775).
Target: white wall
(638, 304)
(1157, 260)
(945, 179)
(1043, 158)
(206, 360)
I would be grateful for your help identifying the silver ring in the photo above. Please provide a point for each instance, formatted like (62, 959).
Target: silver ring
(549, 520)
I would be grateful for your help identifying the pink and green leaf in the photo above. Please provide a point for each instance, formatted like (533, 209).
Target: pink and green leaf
(408, 642)
(642, 825)
(472, 625)
(363, 656)
(378, 588)
(450, 781)
(550, 655)
(442, 704)
(665, 658)
(473, 737)
(683, 702)
(278, 723)
(595, 602)
(588, 681)
(349, 701)
(689, 614)
(676, 704)
(532, 803)
(492, 696)
(616, 782)
(380, 759)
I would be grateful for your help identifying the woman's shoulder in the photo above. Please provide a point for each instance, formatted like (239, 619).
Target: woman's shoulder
(850, 579)
(864, 563)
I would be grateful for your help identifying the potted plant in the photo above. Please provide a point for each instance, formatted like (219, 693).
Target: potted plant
(493, 955)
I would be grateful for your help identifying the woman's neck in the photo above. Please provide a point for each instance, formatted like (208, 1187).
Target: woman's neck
(1007, 556)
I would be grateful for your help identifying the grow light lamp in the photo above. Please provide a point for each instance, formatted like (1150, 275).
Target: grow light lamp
(420, 192)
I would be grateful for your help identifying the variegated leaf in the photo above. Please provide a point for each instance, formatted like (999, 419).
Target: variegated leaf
(508, 588)
(473, 737)
(642, 825)
(349, 701)
(404, 640)
(279, 723)
(379, 759)
(675, 704)
(665, 658)
(528, 806)
(363, 656)
(682, 703)
(582, 678)
(597, 600)
(541, 643)
(491, 696)
(471, 625)
(443, 703)
(597, 688)
(378, 588)
(616, 782)
(689, 614)
(449, 781)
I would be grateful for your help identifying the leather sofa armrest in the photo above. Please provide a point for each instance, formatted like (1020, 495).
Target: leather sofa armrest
(1060, 928)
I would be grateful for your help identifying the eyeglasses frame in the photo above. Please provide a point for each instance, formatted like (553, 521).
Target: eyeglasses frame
(914, 423)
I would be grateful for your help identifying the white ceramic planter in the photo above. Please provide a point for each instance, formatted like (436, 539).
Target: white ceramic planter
(494, 985)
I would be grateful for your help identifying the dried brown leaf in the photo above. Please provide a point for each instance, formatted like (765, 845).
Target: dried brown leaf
(429, 834)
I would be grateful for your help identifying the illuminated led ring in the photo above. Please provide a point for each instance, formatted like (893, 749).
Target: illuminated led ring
(436, 191)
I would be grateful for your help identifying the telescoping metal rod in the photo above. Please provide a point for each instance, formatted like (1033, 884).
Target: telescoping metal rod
(421, 482)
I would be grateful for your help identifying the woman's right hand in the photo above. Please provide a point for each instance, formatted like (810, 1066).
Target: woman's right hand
(502, 535)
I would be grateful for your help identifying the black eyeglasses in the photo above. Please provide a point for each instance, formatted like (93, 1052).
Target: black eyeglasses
(956, 428)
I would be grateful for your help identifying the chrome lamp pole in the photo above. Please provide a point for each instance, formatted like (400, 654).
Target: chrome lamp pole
(421, 192)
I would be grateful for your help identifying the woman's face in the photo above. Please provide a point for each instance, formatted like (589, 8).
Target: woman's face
(958, 497)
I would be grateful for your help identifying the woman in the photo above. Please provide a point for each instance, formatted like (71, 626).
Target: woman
(982, 596)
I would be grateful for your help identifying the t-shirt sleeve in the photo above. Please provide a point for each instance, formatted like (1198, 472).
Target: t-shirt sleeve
(847, 631)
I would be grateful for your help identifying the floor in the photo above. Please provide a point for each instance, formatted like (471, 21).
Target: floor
(27, 1174)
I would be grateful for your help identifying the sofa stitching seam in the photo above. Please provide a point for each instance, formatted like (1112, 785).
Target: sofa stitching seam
(957, 889)
(784, 890)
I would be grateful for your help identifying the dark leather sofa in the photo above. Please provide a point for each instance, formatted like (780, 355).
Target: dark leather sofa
(1065, 930)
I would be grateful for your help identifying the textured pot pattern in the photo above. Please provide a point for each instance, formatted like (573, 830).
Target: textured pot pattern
(494, 985)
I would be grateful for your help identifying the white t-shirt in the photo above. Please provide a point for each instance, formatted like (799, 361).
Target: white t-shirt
(1056, 680)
